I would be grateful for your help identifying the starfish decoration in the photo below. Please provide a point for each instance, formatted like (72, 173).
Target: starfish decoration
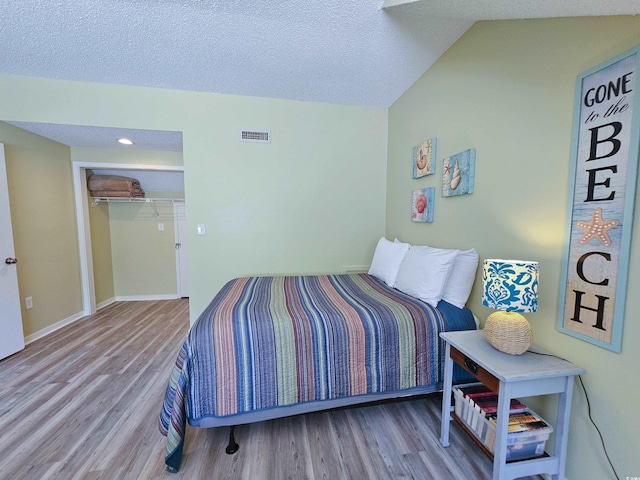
(597, 228)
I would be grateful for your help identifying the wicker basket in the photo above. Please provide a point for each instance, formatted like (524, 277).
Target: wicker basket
(508, 332)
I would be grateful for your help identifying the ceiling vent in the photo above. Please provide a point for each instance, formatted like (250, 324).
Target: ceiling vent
(255, 136)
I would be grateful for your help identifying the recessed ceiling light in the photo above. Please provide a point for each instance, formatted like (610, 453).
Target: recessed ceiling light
(125, 141)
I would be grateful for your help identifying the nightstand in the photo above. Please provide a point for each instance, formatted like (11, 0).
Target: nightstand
(511, 376)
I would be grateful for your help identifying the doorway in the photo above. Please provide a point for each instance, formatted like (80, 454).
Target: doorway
(82, 218)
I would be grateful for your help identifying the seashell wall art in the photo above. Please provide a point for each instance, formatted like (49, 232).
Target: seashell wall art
(422, 205)
(458, 173)
(424, 158)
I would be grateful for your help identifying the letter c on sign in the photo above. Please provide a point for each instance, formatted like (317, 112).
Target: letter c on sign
(580, 265)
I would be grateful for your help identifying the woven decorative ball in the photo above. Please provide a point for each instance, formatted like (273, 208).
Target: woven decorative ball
(508, 332)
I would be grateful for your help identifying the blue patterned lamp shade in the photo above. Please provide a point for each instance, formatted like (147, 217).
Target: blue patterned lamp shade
(511, 288)
(510, 285)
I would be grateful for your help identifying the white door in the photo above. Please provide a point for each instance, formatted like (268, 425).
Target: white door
(182, 269)
(11, 334)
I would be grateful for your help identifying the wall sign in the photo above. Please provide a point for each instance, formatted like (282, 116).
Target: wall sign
(603, 174)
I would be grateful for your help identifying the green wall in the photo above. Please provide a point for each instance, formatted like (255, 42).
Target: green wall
(506, 88)
(143, 258)
(311, 201)
(44, 232)
(132, 257)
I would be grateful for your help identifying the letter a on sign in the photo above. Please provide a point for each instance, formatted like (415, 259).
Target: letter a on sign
(604, 166)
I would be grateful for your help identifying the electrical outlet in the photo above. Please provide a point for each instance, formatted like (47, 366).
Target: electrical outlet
(28, 302)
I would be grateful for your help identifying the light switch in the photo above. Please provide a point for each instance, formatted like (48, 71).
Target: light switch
(201, 229)
(161, 227)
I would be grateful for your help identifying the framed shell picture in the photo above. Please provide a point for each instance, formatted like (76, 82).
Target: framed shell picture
(422, 205)
(424, 158)
(458, 173)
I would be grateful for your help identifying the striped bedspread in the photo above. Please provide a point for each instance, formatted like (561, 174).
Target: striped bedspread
(269, 342)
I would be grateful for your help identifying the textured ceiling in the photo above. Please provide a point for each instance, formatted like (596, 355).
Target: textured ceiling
(352, 52)
(337, 51)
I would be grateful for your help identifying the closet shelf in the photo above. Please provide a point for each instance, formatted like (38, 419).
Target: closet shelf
(97, 200)
(149, 201)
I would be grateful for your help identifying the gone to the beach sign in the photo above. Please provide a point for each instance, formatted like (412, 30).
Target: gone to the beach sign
(604, 166)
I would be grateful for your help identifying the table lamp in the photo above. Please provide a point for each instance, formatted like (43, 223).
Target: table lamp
(511, 287)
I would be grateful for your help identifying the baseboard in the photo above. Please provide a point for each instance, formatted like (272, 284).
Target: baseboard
(144, 298)
(134, 298)
(52, 328)
(106, 303)
(355, 268)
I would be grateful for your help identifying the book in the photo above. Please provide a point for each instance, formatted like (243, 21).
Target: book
(489, 405)
(466, 391)
(521, 422)
(481, 394)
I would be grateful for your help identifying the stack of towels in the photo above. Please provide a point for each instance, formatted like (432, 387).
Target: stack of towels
(114, 186)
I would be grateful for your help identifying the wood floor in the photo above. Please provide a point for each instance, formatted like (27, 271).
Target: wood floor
(83, 402)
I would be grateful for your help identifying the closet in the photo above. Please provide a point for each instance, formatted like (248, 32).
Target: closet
(139, 248)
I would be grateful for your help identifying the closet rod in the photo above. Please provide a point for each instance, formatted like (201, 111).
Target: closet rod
(150, 201)
(97, 200)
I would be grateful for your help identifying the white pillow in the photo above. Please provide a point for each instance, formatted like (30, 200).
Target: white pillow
(424, 271)
(460, 281)
(387, 259)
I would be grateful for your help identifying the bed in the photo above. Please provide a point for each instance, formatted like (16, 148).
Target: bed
(270, 347)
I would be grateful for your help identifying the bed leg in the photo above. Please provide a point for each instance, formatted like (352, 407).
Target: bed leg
(233, 446)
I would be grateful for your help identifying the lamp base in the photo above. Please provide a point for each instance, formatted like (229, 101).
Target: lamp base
(508, 332)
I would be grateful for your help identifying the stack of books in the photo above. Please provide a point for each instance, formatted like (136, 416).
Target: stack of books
(476, 406)
(481, 402)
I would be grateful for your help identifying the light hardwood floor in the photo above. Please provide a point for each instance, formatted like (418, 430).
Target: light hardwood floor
(83, 403)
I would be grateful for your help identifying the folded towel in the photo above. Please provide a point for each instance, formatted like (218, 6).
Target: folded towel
(112, 182)
(114, 186)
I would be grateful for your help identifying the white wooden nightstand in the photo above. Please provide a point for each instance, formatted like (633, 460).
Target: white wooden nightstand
(511, 376)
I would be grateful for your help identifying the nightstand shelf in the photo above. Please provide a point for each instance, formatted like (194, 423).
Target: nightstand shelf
(481, 445)
(511, 376)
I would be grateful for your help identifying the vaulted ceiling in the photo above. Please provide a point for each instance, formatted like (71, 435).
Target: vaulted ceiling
(353, 52)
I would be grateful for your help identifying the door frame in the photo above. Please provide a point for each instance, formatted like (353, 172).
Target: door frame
(81, 197)
(179, 209)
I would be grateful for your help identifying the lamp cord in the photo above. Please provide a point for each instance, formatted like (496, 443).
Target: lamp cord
(586, 396)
